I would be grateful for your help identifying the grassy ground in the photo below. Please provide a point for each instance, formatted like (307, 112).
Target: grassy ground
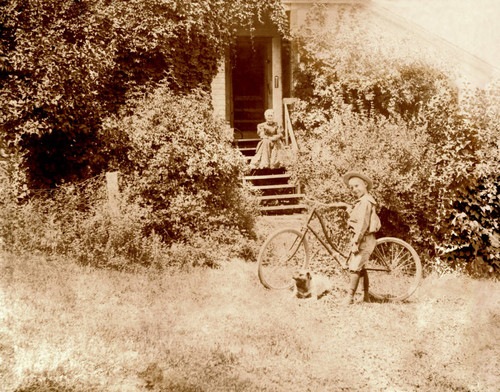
(69, 328)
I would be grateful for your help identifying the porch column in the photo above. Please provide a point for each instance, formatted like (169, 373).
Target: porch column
(277, 80)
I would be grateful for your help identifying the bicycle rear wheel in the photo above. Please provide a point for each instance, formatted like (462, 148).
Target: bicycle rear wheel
(280, 256)
(394, 270)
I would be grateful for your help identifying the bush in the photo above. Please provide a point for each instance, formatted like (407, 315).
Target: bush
(70, 69)
(182, 199)
(352, 62)
(435, 159)
(75, 222)
(182, 167)
(464, 181)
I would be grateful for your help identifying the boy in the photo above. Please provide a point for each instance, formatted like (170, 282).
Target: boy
(363, 222)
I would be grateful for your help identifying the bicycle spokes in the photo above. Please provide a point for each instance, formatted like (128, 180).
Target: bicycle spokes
(394, 269)
(282, 254)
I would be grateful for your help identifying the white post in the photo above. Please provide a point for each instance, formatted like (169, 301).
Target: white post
(113, 192)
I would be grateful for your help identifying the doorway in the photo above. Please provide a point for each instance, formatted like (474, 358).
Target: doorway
(252, 89)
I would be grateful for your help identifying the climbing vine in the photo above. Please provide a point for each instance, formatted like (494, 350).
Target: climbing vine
(67, 64)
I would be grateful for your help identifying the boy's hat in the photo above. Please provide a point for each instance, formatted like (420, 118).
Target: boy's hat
(366, 179)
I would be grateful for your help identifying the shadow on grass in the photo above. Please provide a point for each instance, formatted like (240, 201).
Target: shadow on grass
(49, 385)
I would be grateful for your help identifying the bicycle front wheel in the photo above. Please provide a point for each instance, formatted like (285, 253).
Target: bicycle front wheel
(281, 255)
(394, 270)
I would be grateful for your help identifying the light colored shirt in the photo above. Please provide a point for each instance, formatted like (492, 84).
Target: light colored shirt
(359, 217)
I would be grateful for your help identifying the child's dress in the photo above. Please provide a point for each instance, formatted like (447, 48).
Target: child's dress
(267, 154)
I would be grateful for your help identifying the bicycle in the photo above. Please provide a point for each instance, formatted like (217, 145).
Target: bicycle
(394, 267)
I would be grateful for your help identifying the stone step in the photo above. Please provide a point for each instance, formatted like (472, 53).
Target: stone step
(247, 140)
(284, 207)
(247, 121)
(277, 186)
(282, 196)
(267, 177)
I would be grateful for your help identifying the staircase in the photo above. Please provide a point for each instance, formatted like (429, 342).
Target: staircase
(277, 194)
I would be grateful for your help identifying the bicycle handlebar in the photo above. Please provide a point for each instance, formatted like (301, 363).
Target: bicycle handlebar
(339, 204)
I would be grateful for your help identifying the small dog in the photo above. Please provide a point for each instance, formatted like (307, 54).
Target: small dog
(309, 286)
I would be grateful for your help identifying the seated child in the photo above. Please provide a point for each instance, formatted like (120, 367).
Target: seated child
(363, 222)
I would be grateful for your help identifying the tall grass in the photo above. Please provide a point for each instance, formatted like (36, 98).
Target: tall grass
(76, 222)
(79, 328)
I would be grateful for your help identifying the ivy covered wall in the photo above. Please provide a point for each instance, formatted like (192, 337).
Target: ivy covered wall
(67, 64)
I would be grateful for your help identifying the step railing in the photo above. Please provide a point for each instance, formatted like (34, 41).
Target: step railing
(289, 134)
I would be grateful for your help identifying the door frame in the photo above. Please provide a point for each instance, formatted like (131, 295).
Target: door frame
(274, 92)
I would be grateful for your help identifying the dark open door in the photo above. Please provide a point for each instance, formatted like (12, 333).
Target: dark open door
(252, 89)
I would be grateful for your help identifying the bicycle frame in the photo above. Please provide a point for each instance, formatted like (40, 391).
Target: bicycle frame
(396, 264)
(328, 245)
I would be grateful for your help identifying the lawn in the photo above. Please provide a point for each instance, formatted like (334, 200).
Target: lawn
(65, 327)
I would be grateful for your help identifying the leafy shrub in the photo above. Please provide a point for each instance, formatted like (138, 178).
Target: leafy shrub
(76, 222)
(182, 167)
(464, 182)
(66, 67)
(182, 199)
(435, 159)
(351, 61)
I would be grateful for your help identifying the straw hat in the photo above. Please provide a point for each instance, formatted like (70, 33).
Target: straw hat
(352, 174)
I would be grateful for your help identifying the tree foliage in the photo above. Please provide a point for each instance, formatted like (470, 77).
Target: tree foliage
(396, 115)
(66, 64)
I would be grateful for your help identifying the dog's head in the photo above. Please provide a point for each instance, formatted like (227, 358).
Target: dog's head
(303, 281)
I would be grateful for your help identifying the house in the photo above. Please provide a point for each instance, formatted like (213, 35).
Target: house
(468, 41)
(258, 73)
(469, 28)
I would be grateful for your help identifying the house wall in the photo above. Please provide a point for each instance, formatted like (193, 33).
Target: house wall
(470, 68)
(221, 94)
(384, 25)
(277, 80)
(299, 8)
(221, 85)
(390, 27)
